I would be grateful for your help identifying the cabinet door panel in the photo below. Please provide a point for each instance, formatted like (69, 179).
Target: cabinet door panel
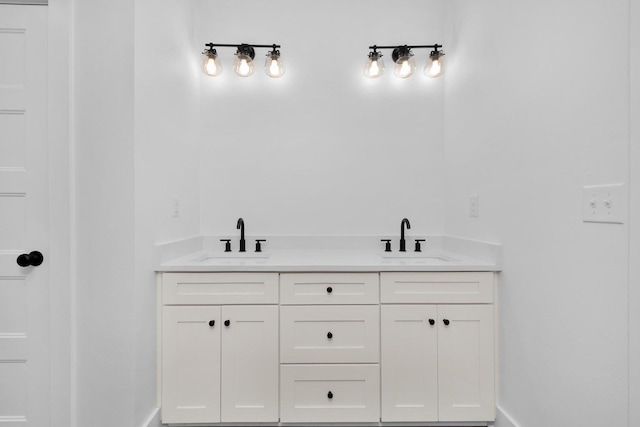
(409, 363)
(190, 365)
(250, 364)
(466, 363)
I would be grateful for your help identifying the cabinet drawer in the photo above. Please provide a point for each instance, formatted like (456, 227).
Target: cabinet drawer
(329, 288)
(439, 288)
(219, 288)
(329, 334)
(329, 393)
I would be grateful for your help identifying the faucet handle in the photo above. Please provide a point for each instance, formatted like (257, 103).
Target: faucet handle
(418, 248)
(258, 247)
(227, 245)
(387, 245)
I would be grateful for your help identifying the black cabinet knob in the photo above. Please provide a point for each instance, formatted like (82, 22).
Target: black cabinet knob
(432, 322)
(329, 335)
(33, 258)
(227, 323)
(329, 289)
(445, 321)
(212, 322)
(330, 395)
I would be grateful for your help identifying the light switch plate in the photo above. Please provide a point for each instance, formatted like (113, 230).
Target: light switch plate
(604, 203)
(474, 206)
(175, 207)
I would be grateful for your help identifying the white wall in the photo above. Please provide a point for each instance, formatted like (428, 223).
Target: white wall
(634, 214)
(60, 164)
(136, 133)
(166, 163)
(536, 107)
(103, 133)
(322, 150)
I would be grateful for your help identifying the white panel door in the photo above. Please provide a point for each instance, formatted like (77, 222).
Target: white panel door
(191, 364)
(466, 363)
(24, 291)
(409, 364)
(249, 364)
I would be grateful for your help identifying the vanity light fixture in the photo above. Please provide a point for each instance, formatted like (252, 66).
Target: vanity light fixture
(243, 63)
(404, 63)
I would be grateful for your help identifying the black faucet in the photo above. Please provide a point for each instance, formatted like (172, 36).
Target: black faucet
(403, 246)
(240, 227)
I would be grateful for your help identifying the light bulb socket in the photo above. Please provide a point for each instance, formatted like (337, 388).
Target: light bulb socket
(436, 54)
(245, 49)
(401, 52)
(274, 52)
(210, 52)
(373, 55)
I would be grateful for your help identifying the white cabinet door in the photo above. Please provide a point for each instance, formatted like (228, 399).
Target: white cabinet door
(409, 362)
(466, 363)
(250, 364)
(191, 364)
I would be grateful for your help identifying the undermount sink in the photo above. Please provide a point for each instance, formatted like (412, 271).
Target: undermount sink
(415, 258)
(232, 257)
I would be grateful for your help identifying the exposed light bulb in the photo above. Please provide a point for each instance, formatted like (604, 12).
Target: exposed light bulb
(434, 65)
(243, 65)
(211, 63)
(374, 67)
(273, 66)
(405, 66)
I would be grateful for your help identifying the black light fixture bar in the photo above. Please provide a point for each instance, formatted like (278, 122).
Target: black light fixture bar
(425, 46)
(212, 45)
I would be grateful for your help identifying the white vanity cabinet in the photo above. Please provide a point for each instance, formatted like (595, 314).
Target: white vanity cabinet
(328, 347)
(437, 347)
(220, 362)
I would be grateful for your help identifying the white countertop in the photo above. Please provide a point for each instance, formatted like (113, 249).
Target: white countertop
(327, 253)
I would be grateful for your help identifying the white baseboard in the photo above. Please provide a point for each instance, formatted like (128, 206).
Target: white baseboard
(154, 419)
(503, 419)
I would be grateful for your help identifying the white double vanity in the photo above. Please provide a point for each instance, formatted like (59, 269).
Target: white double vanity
(328, 336)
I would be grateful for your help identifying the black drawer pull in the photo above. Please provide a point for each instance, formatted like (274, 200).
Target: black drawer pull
(329, 335)
(432, 322)
(212, 323)
(330, 395)
(227, 323)
(446, 322)
(329, 289)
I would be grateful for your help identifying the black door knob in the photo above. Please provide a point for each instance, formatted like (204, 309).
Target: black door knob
(329, 289)
(329, 335)
(445, 321)
(432, 322)
(33, 258)
(212, 322)
(227, 323)
(330, 395)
